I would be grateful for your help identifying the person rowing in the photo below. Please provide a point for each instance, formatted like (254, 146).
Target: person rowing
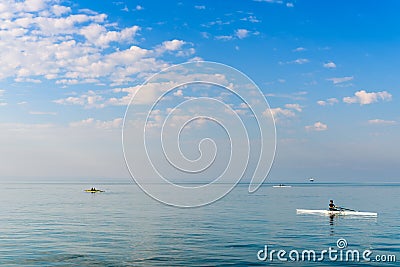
(332, 206)
(335, 210)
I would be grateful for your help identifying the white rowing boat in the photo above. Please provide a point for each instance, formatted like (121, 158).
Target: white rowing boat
(336, 212)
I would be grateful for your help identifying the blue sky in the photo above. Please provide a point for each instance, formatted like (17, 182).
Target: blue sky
(329, 70)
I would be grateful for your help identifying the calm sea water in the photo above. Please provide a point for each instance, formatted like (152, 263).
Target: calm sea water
(60, 225)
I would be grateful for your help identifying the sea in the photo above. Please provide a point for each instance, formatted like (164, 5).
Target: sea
(58, 224)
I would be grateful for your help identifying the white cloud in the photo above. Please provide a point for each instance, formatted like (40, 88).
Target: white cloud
(60, 10)
(318, 126)
(30, 5)
(46, 40)
(296, 107)
(139, 7)
(82, 123)
(217, 22)
(28, 80)
(364, 98)
(194, 59)
(252, 19)
(289, 4)
(238, 34)
(173, 45)
(294, 96)
(70, 100)
(243, 105)
(224, 37)
(341, 79)
(149, 90)
(200, 7)
(178, 93)
(100, 36)
(283, 113)
(299, 49)
(42, 113)
(279, 113)
(299, 61)
(328, 102)
(242, 33)
(89, 100)
(329, 65)
(98, 124)
(381, 122)
(205, 35)
(112, 124)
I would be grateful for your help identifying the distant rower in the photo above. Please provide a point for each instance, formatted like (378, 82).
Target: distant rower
(332, 205)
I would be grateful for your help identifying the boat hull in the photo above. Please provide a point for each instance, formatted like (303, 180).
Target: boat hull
(336, 212)
(93, 191)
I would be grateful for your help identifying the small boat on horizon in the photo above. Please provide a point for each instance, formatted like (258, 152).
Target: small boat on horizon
(311, 179)
(281, 185)
(93, 190)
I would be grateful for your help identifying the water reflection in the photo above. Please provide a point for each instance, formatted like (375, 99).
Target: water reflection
(332, 223)
(335, 218)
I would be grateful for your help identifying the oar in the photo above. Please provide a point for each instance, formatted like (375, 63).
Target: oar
(341, 208)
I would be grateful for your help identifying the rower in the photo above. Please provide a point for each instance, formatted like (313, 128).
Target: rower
(332, 205)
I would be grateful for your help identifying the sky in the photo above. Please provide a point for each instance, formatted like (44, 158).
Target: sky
(328, 69)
